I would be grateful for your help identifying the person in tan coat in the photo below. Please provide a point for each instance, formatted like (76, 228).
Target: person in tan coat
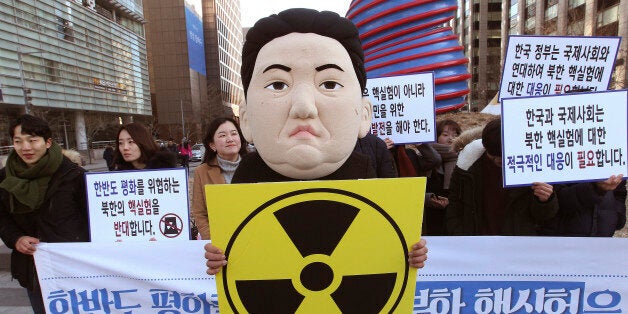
(224, 147)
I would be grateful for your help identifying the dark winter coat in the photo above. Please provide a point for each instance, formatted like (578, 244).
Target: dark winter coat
(62, 217)
(253, 169)
(380, 157)
(160, 160)
(524, 213)
(587, 212)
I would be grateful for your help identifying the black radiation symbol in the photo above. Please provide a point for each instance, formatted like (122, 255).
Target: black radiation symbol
(321, 229)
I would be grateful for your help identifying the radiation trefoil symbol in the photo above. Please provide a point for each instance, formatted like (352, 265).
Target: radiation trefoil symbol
(316, 251)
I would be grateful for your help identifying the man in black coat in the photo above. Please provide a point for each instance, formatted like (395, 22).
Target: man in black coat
(42, 199)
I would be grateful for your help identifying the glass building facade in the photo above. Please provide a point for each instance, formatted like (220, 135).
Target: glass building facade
(73, 59)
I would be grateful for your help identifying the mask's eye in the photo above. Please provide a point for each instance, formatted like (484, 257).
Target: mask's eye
(331, 85)
(277, 86)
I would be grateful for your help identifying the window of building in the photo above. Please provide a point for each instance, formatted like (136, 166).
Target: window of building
(65, 29)
(493, 42)
(494, 7)
(530, 24)
(608, 16)
(514, 21)
(52, 70)
(514, 9)
(550, 3)
(551, 12)
(575, 3)
(603, 4)
(531, 11)
(494, 24)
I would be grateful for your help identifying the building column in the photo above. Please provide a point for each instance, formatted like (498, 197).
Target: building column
(590, 17)
(505, 30)
(482, 54)
(622, 79)
(561, 24)
(521, 8)
(79, 132)
(539, 24)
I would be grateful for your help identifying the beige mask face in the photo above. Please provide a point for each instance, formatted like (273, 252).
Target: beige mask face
(304, 109)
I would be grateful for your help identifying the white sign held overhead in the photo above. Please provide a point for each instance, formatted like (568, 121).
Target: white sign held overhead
(548, 65)
(146, 205)
(403, 108)
(564, 138)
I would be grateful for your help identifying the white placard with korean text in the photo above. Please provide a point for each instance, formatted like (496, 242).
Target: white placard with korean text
(462, 275)
(547, 65)
(564, 138)
(403, 108)
(138, 205)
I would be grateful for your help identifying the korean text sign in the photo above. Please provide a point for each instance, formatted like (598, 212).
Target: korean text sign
(403, 108)
(295, 246)
(462, 275)
(547, 65)
(561, 138)
(138, 205)
(523, 275)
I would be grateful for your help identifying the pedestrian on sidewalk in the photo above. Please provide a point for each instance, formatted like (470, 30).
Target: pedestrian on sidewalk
(107, 155)
(42, 199)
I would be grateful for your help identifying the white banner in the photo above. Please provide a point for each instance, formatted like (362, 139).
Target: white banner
(564, 138)
(403, 108)
(146, 205)
(463, 275)
(546, 65)
(524, 275)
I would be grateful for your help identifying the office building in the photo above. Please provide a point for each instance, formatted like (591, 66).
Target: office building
(484, 27)
(572, 18)
(478, 23)
(80, 64)
(194, 58)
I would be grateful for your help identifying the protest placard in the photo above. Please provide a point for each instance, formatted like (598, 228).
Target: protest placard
(403, 108)
(298, 245)
(546, 65)
(138, 205)
(564, 138)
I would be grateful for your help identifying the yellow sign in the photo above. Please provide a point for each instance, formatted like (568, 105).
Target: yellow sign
(316, 246)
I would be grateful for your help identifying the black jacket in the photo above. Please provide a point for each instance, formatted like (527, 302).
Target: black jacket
(381, 160)
(160, 160)
(586, 212)
(62, 217)
(253, 169)
(524, 213)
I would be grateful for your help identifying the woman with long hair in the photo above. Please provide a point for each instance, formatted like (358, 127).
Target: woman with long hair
(224, 148)
(137, 150)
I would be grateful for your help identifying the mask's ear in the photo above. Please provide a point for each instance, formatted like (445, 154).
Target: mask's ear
(365, 116)
(244, 123)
